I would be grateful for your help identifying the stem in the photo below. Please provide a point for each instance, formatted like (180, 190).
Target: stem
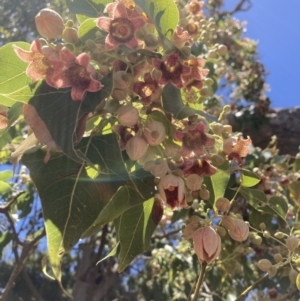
(199, 281)
(251, 287)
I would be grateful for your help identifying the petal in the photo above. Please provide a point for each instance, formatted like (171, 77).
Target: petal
(133, 43)
(120, 11)
(26, 56)
(94, 86)
(211, 241)
(111, 43)
(34, 72)
(83, 59)
(66, 55)
(60, 80)
(36, 46)
(77, 94)
(137, 23)
(157, 63)
(104, 23)
(177, 82)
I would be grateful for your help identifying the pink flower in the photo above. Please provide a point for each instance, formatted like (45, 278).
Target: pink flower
(149, 89)
(197, 73)
(180, 37)
(199, 167)
(171, 189)
(40, 64)
(77, 74)
(195, 7)
(124, 134)
(121, 28)
(194, 139)
(172, 70)
(207, 244)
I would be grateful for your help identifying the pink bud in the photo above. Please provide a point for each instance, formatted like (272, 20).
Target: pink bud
(154, 132)
(207, 244)
(136, 147)
(222, 204)
(194, 182)
(292, 242)
(191, 227)
(49, 23)
(240, 232)
(128, 115)
(264, 265)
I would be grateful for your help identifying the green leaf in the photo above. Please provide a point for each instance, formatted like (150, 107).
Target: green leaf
(90, 8)
(172, 103)
(124, 199)
(5, 238)
(25, 200)
(113, 252)
(296, 165)
(218, 182)
(61, 114)
(87, 30)
(249, 178)
(135, 227)
(12, 115)
(258, 200)
(13, 77)
(164, 14)
(4, 188)
(5, 175)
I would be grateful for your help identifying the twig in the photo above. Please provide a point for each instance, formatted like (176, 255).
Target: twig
(199, 282)
(26, 250)
(166, 234)
(239, 7)
(289, 295)
(251, 287)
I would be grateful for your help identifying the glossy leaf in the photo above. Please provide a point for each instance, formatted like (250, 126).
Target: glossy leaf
(258, 200)
(172, 103)
(87, 29)
(13, 77)
(218, 182)
(164, 14)
(248, 178)
(134, 228)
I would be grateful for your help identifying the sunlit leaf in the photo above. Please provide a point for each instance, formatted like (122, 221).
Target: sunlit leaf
(4, 188)
(13, 77)
(90, 8)
(5, 238)
(172, 103)
(87, 29)
(5, 175)
(12, 115)
(248, 178)
(135, 227)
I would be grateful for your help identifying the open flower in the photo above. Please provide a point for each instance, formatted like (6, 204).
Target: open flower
(172, 70)
(171, 189)
(194, 139)
(199, 167)
(149, 89)
(41, 64)
(154, 132)
(121, 28)
(207, 244)
(78, 75)
(180, 37)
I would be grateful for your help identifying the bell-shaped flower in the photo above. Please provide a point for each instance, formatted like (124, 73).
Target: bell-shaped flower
(78, 74)
(158, 167)
(172, 70)
(42, 63)
(194, 139)
(207, 244)
(128, 115)
(136, 148)
(171, 189)
(121, 28)
(154, 132)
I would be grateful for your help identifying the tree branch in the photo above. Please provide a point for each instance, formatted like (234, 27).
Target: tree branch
(243, 5)
(251, 287)
(288, 295)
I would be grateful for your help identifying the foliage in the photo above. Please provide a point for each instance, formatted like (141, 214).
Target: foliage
(135, 178)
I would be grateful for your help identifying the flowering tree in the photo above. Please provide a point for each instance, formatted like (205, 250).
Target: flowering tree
(127, 142)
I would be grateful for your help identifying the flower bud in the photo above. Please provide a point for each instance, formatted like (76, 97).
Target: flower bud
(272, 272)
(222, 50)
(292, 242)
(266, 234)
(136, 147)
(222, 204)
(217, 160)
(262, 226)
(49, 23)
(151, 40)
(207, 244)
(70, 35)
(204, 194)
(191, 227)
(240, 232)
(228, 222)
(221, 231)
(205, 92)
(257, 240)
(218, 128)
(154, 132)
(128, 115)
(264, 265)
(278, 257)
(194, 182)
(122, 79)
(293, 276)
(279, 235)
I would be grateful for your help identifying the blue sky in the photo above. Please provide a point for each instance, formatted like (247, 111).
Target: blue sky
(276, 25)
